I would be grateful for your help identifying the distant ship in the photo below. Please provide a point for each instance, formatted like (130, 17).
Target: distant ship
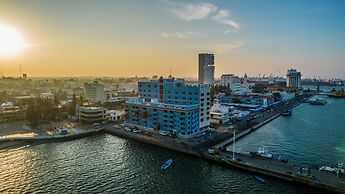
(338, 94)
(317, 101)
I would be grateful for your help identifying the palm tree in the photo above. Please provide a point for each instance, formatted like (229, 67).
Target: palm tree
(145, 116)
(136, 115)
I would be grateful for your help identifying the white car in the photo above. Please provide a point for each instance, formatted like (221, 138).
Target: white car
(116, 126)
(128, 129)
(163, 133)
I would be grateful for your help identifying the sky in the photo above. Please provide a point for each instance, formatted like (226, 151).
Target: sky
(150, 37)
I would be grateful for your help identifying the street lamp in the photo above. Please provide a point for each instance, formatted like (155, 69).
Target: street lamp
(233, 144)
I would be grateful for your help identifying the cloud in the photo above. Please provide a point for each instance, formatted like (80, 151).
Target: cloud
(223, 18)
(222, 14)
(231, 23)
(199, 11)
(224, 47)
(189, 12)
(185, 34)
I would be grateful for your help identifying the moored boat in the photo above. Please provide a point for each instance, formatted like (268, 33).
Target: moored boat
(262, 152)
(260, 179)
(166, 164)
(337, 94)
(287, 112)
(317, 101)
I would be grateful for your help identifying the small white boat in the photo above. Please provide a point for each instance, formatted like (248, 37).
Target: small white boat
(166, 164)
(317, 101)
(262, 152)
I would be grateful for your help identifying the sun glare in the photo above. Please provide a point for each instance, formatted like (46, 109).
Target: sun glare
(11, 41)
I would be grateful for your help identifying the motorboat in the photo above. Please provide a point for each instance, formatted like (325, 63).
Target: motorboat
(260, 179)
(262, 152)
(287, 112)
(317, 101)
(166, 164)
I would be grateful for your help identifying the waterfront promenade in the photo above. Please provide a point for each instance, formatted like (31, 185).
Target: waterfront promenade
(11, 142)
(272, 168)
(281, 170)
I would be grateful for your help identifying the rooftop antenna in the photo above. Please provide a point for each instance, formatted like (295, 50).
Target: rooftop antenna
(20, 70)
(170, 70)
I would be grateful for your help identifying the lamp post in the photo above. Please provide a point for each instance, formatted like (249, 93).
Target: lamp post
(233, 144)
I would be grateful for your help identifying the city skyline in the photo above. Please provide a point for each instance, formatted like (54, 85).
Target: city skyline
(146, 38)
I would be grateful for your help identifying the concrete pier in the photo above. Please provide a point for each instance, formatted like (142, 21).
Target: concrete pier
(281, 170)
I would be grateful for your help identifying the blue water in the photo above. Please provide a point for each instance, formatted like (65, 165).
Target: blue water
(312, 135)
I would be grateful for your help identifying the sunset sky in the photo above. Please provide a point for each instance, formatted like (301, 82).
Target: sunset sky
(147, 37)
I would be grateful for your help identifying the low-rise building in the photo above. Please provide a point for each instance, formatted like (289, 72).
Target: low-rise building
(229, 79)
(46, 95)
(116, 115)
(91, 114)
(219, 114)
(9, 112)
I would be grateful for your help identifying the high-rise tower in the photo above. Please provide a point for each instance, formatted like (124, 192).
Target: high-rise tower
(206, 68)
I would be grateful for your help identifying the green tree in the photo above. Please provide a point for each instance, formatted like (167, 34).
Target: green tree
(259, 88)
(145, 116)
(136, 116)
(73, 106)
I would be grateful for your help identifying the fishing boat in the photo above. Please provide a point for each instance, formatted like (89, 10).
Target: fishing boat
(337, 94)
(262, 152)
(287, 112)
(260, 179)
(166, 164)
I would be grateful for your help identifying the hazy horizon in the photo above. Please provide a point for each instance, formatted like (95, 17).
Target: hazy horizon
(146, 38)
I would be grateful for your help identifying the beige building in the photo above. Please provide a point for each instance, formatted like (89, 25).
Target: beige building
(91, 114)
(94, 91)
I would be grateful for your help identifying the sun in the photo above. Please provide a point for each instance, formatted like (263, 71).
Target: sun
(11, 41)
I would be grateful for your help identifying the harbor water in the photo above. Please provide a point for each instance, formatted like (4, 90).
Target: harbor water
(108, 164)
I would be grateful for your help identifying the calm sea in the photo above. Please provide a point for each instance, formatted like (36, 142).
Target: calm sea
(108, 164)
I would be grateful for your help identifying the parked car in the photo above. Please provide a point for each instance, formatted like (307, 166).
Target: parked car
(147, 133)
(163, 133)
(173, 135)
(136, 130)
(116, 126)
(127, 129)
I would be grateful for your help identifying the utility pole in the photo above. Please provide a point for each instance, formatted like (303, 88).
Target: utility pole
(233, 144)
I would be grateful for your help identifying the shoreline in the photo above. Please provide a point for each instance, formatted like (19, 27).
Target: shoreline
(271, 168)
